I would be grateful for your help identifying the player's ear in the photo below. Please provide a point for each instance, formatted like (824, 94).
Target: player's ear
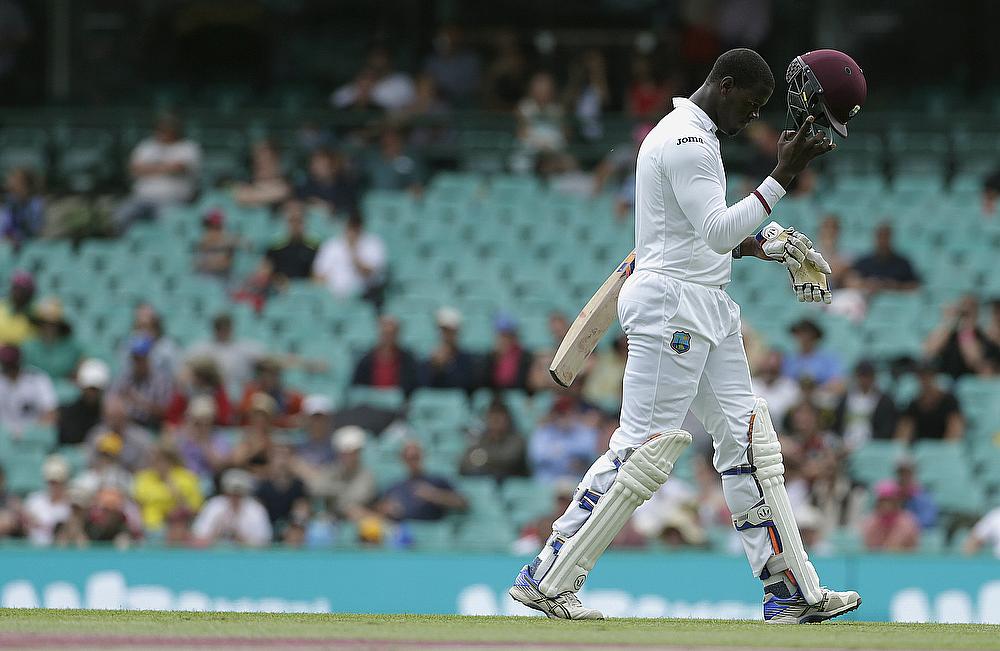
(726, 84)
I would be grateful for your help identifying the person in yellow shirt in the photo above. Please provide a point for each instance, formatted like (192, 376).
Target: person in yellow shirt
(15, 311)
(164, 486)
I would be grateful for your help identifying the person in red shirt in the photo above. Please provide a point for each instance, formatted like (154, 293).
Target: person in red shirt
(508, 364)
(890, 527)
(388, 364)
(200, 377)
(267, 379)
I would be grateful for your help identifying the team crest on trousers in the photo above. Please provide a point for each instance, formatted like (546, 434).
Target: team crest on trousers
(681, 342)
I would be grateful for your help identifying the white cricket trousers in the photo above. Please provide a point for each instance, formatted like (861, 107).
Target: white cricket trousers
(685, 352)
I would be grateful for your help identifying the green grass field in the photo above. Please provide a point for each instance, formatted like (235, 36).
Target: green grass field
(131, 629)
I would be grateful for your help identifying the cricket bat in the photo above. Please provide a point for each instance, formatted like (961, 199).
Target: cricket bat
(590, 325)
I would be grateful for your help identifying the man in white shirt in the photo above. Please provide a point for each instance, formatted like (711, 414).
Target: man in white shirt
(46, 509)
(234, 357)
(685, 352)
(165, 171)
(352, 265)
(235, 516)
(27, 396)
(986, 532)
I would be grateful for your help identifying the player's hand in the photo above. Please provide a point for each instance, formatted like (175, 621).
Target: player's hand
(788, 246)
(797, 148)
(811, 282)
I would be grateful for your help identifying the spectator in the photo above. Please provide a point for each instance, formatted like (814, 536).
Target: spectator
(165, 486)
(10, 509)
(392, 167)
(535, 533)
(216, 249)
(293, 257)
(508, 364)
(890, 527)
(427, 117)
(22, 214)
(259, 286)
(507, 75)
(603, 383)
(864, 412)
(165, 171)
(354, 264)
(449, 366)
(991, 192)
(420, 496)
(350, 485)
(146, 389)
(993, 327)
(200, 377)
(647, 98)
(453, 68)
(112, 517)
(497, 449)
(809, 361)
(53, 350)
(46, 509)
(106, 469)
(267, 186)
(234, 358)
(377, 86)
(330, 183)
(234, 517)
(986, 532)
(388, 364)
(958, 346)
(267, 380)
(316, 451)
(281, 491)
(253, 452)
(828, 239)
(147, 322)
(563, 445)
(617, 172)
(933, 414)
(816, 454)
(177, 532)
(779, 391)
(916, 499)
(558, 327)
(137, 442)
(541, 120)
(589, 93)
(15, 312)
(671, 517)
(885, 269)
(27, 397)
(204, 449)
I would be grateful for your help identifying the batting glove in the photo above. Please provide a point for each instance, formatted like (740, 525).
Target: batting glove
(806, 266)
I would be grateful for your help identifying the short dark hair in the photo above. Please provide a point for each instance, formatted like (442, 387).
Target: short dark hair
(747, 68)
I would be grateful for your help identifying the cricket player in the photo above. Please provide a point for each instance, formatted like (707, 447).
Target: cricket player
(685, 346)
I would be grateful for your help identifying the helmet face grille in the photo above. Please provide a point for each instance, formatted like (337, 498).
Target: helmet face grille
(805, 95)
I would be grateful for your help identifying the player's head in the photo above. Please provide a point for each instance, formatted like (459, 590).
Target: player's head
(743, 84)
(827, 85)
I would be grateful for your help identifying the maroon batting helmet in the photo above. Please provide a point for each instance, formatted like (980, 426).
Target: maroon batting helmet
(827, 85)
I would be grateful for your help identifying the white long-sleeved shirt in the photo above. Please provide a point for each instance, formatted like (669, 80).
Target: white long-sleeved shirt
(683, 227)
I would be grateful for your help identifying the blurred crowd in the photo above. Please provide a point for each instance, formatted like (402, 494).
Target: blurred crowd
(209, 444)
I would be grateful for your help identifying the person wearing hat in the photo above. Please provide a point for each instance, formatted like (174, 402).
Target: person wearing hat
(204, 449)
(933, 414)
(27, 396)
(164, 486)
(316, 451)
(53, 349)
(350, 485)
(145, 388)
(15, 311)
(890, 527)
(235, 516)
(448, 366)
(105, 467)
(267, 380)
(46, 509)
(216, 249)
(388, 364)
(809, 361)
(864, 412)
(164, 354)
(508, 364)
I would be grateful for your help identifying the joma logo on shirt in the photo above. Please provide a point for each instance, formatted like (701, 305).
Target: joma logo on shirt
(681, 141)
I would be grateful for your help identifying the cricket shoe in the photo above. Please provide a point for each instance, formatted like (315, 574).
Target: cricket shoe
(562, 606)
(795, 610)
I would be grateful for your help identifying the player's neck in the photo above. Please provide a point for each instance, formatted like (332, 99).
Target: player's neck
(707, 100)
